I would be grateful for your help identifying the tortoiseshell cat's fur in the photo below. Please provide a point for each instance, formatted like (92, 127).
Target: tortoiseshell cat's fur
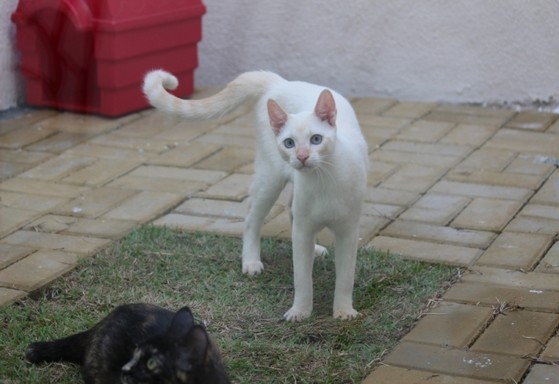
(139, 343)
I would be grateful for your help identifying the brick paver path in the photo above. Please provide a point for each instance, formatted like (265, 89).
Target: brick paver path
(468, 186)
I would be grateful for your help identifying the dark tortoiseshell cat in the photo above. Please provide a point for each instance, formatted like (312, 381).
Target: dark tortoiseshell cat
(139, 343)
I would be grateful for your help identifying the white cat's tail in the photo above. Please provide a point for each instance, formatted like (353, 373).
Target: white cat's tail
(248, 86)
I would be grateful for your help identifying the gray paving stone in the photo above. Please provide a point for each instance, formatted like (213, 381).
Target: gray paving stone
(439, 234)
(49, 241)
(518, 333)
(475, 365)
(487, 214)
(516, 250)
(426, 251)
(385, 374)
(450, 325)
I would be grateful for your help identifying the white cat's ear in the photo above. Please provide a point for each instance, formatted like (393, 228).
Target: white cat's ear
(325, 108)
(277, 115)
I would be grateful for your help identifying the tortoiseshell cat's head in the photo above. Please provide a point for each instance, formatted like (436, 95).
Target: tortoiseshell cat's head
(184, 354)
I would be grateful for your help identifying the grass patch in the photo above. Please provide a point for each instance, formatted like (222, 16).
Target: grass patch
(243, 314)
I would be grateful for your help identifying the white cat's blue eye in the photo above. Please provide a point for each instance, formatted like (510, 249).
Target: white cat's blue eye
(316, 139)
(289, 143)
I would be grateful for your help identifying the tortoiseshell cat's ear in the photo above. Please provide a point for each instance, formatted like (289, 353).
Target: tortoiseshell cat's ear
(182, 322)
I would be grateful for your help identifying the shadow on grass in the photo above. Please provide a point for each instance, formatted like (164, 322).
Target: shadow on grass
(243, 314)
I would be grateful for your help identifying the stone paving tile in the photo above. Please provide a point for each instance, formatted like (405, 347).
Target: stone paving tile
(234, 187)
(149, 124)
(550, 262)
(532, 120)
(23, 136)
(58, 167)
(185, 131)
(115, 139)
(8, 296)
(21, 156)
(82, 123)
(219, 208)
(379, 171)
(534, 281)
(505, 114)
(516, 250)
(75, 244)
(242, 141)
(533, 225)
(518, 333)
(439, 234)
(278, 226)
(385, 374)
(554, 127)
(388, 211)
(158, 184)
(101, 172)
(67, 225)
(435, 208)
(497, 178)
(551, 352)
(426, 251)
(464, 118)
(414, 177)
(425, 131)
(58, 142)
(373, 105)
(523, 141)
(25, 118)
(542, 374)
(450, 325)
(144, 206)
(43, 188)
(94, 203)
(184, 222)
(37, 270)
(495, 295)
(450, 150)
(481, 190)
(483, 366)
(30, 202)
(487, 214)
(549, 192)
(9, 254)
(14, 218)
(406, 157)
(468, 134)
(185, 155)
(487, 159)
(530, 164)
(9, 170)
(409, 110)
(181, 174)
(228, 159)
(387, 196)
(540, 210)
(105, 152)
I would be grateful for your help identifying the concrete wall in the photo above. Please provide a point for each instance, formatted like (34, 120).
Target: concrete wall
(436, 50)
(10, 88)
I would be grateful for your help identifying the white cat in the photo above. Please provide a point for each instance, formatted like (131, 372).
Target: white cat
(309, 136)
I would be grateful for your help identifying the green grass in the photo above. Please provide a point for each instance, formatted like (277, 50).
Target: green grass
(243, 314)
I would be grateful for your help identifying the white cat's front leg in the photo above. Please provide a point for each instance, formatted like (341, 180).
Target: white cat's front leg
(303, 257)
(264, 193)
(347, 239)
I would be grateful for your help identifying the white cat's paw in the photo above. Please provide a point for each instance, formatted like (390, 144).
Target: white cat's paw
(345, 314)
(320, 251)
(296, 314)
(253, 268)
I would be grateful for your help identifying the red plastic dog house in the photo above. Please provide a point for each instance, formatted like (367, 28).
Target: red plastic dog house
(91, 55)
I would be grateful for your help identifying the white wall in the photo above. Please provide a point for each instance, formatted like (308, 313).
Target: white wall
(10, 89)
(436, 50)
(457, 51)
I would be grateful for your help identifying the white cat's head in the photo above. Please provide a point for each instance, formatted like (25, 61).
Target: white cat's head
(305, 140)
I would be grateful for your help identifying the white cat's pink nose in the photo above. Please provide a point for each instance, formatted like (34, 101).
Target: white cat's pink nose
(303, 157)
